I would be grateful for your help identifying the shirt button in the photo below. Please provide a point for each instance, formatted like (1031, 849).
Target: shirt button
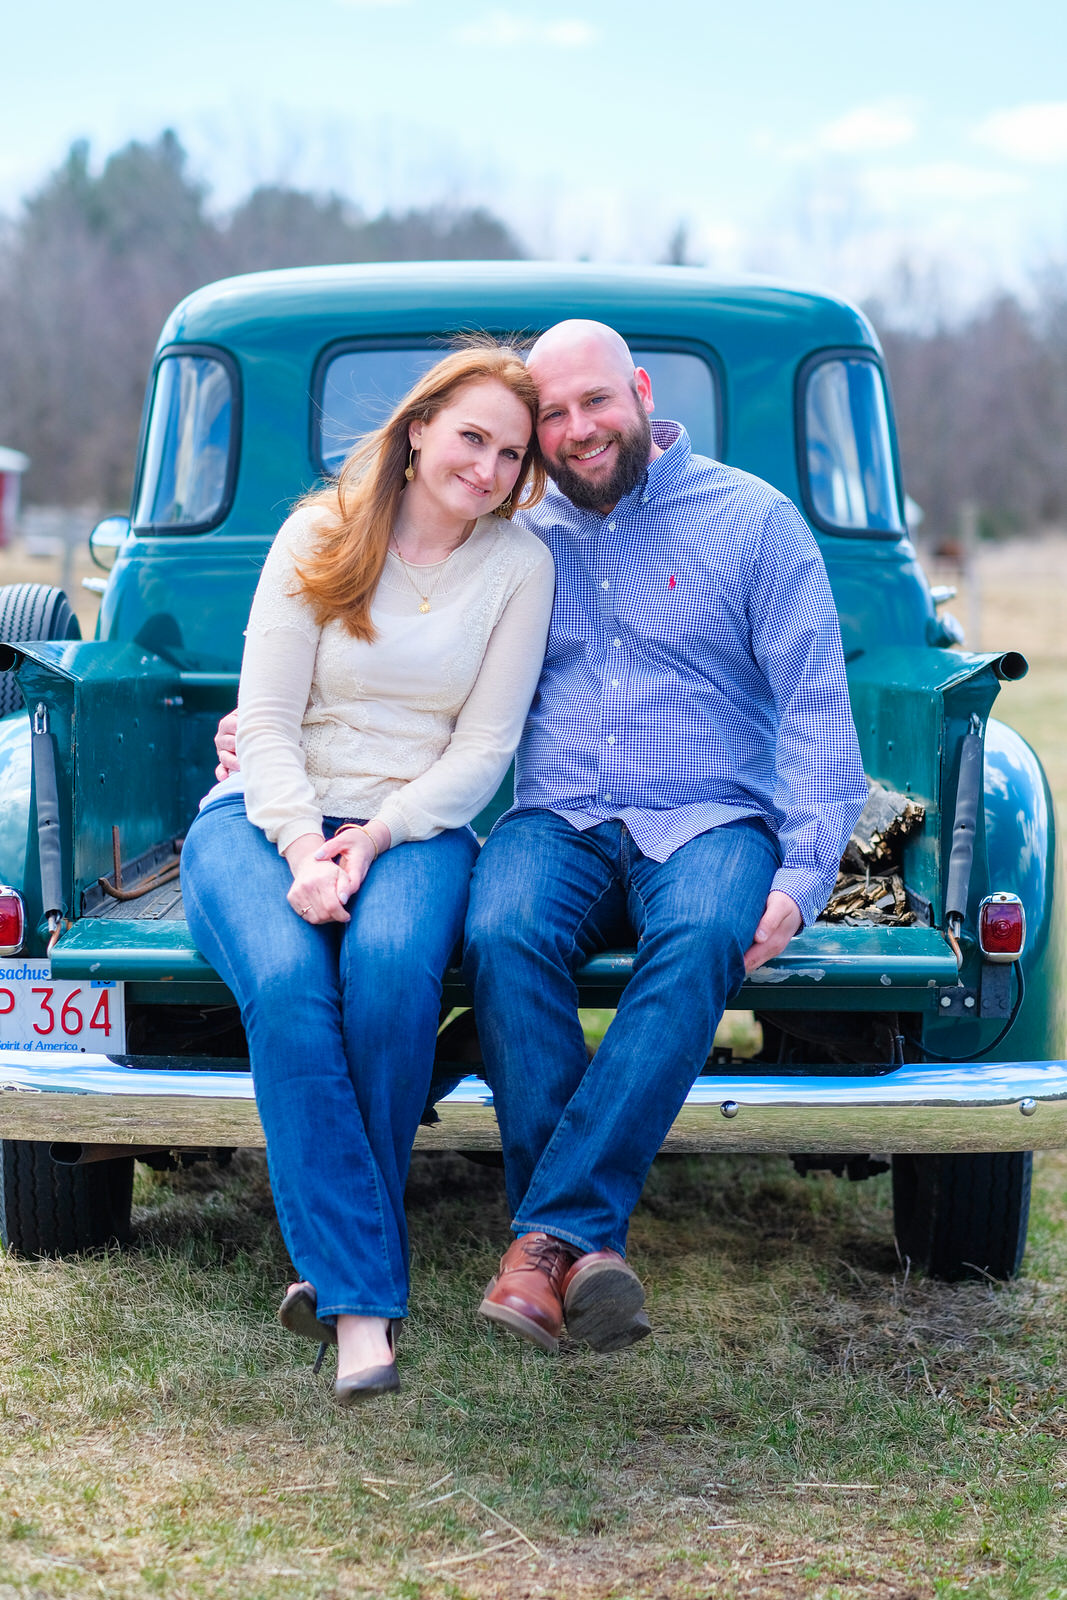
(605, 584)
(644, 499)
(607, 799)
(614, 683)
(611, 527)
(611, 738)
(617, 643)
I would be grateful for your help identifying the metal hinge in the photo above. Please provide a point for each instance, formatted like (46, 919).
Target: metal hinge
(957, 1001)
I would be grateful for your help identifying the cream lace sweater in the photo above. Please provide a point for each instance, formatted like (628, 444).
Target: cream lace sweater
(417, 728)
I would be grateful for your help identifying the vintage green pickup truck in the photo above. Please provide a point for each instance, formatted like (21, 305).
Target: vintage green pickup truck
(924, 1027)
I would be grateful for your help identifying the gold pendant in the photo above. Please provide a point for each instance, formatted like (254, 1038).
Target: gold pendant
(424, 607)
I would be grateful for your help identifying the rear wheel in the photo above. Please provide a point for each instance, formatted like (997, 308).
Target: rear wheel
(50, 1210)
(963, 1216)
(31, 611)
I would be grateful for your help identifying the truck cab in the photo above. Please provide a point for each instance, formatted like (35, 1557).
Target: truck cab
(922, 1028)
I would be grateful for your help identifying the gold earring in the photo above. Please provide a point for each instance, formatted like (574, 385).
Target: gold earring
(409, 470)
(504, 508)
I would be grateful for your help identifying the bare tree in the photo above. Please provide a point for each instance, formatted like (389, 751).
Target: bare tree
(982, 410)
(677, 251)
(92, 266)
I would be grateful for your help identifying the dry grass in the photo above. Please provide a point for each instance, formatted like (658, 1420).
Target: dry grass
(808, 1421)
(1017, 600)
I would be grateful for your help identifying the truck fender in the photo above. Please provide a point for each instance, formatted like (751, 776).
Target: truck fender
(1024, 858)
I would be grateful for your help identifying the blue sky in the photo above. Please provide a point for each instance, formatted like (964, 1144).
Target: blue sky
(823, 141)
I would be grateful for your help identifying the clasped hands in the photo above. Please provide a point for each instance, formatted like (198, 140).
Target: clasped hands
(327, 873)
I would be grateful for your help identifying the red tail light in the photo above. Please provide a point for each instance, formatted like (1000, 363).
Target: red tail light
(12, 921)
(1001, 927)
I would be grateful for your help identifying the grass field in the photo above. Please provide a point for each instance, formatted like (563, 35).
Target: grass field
(808, 1421)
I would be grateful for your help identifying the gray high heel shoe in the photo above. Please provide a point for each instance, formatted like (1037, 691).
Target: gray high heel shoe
(371, 1381)
(297, 1313)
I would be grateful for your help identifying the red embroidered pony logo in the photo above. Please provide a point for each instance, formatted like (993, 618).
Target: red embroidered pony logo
(670, 581)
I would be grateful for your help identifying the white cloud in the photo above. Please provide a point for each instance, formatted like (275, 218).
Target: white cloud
(501, 30)
(867, 129)
(941, 181)
(1034, 133)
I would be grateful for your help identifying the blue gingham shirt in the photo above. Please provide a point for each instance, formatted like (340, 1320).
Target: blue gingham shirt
(694, 672)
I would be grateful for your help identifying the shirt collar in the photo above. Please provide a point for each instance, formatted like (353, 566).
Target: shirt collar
(674, 442)
(660, 474)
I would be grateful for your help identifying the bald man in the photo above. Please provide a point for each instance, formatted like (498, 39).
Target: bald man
(686, 782)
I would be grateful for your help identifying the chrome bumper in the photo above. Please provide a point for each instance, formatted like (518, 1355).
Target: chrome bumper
(1013, 1105)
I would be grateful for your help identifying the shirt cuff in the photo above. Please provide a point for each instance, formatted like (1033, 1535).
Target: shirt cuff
(291, 831)
(393, 818)
(806, 888)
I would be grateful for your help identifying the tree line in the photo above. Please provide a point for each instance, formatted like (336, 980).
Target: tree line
(94, 262)
(981, 408)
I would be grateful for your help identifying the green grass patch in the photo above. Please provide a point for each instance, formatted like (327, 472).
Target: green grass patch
(807, 1420)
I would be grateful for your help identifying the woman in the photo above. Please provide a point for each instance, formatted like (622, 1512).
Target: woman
(392, 650)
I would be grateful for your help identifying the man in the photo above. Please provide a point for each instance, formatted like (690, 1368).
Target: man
(689, 774)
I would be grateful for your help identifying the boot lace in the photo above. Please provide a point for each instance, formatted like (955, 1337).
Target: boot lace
(546, 1253)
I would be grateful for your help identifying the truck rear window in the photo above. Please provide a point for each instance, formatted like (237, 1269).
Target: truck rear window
(359, 387)
(847, 449)
(188, 451)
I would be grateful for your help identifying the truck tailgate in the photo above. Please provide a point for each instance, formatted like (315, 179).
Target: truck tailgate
(871, 968)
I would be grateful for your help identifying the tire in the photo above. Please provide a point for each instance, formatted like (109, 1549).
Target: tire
(963, 1216)
(49, 1210)
(31, 611)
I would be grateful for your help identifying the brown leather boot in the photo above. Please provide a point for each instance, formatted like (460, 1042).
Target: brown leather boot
(602, 1300)
(526, 1296)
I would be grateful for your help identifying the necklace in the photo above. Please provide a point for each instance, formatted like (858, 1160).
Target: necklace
(424, 599)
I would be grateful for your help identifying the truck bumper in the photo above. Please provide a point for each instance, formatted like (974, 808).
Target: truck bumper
(159, 1101)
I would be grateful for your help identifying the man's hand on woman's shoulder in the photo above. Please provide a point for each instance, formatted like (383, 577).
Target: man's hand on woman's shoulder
(226, 746)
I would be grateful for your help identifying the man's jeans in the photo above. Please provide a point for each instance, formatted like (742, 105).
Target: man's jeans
(341, 1022)
(580, 1136)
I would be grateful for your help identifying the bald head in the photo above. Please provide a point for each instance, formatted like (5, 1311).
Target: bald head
(592, 420)
(591, 345)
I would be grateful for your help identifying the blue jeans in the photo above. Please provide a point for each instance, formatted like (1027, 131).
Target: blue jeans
(579, 1136)
(341, 1021)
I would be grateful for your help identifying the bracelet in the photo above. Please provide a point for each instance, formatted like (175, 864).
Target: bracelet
(363, 829)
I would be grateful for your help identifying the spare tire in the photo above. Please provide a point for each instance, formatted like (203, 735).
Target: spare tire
(31, 611)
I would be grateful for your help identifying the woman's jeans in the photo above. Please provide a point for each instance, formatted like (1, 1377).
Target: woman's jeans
(579, 1136)
(341, 1021)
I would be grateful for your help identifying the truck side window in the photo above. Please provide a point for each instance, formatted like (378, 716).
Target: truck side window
(188, 444)
(358, 388)
(684, 389)
(849, 454)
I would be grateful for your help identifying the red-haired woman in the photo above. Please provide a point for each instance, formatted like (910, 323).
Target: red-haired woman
(393, 648)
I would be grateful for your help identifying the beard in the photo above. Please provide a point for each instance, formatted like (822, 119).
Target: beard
(631, 461)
